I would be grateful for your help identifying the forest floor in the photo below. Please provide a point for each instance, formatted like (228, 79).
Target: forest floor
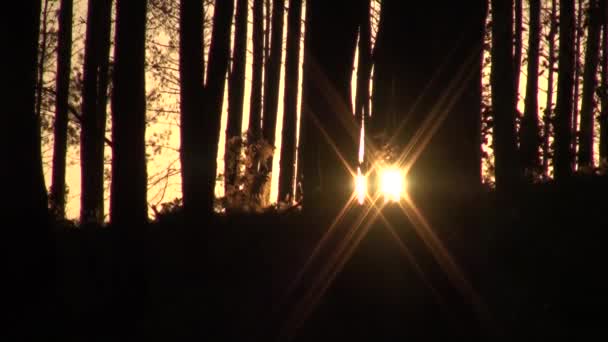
(530, 266)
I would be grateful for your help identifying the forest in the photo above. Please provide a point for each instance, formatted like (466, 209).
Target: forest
(306, 170)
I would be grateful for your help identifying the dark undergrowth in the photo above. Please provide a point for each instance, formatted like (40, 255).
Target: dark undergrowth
(529, 265)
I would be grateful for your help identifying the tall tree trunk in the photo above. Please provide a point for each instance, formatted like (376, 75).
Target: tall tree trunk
(517, 48)
(530, 138)
(365, 63)
(507, 168)
(578, 27)
(219, 57)
(64, 58)
(565, 85)
(548, 114)
(30, 201)
(290, 101)
(192, 125)
(329, 125)
(272, 76)
(94, 100)
(585, 151)
(128, 201)
(604, 94)
(236, 92)
(311, 150)
(255, 105)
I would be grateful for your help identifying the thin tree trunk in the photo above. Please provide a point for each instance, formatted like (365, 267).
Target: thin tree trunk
(272, 76)
(565, 86)
(94, 101)
(290, 102)
(128, 202)
(42, 57)
(507, 170)
(604, 94)
(60, 128)
(547, 118)
(255, 105)
(578, 27)
(517, 48)
(585, 151)
(192, 117)
(365, 63)
(236, 92)
(530, 138)
(219, 57)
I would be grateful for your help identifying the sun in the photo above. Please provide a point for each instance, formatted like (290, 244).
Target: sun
(392, 183)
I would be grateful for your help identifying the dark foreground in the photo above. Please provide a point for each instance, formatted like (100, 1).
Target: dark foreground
(530, 266)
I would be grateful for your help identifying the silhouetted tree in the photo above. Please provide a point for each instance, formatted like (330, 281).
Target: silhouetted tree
(255, 105)
(236, 92)
(94, 100)
(44, 45)
(329, 127)
(272, 75)
(529, 136)
(64, 59)
(604, 87)
(505, 149)
(30, 201)
(290, 101)
(192, 119)
(128, 202)
(565, 85)
(585, 151)
(548, 114)
(219, 58)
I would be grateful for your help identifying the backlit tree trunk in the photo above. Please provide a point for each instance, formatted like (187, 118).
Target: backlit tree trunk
(565, 85)
(585, 151)
(255, 105)
(517, 47)
(365, 62)
(290, 101)
(503, 95)
(578, 29)
(64, 57)
(530, 138)
(548, 114)
(128, 202)
(604, 94)
(192, 125)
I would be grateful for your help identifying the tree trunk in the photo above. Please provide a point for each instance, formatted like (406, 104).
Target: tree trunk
(565, 85)
(192, 119)
(219, 57)
(64, 58)
(290, 102)
(548, 114)
(128, 202)
(578, 27)
(42, 57)
(94, 100)
(517, 48)
(530, 138)
(585, 151)
(329, 126)
(30, 201)
(236, 92)
(272, 76)
(506, 163)
(255, 104)
(365, 63)
(604, 94)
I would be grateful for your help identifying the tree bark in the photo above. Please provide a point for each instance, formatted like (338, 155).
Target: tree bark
(219, 57)
(42, 57)
(236, 92)
(548, 114)
(578, 29)
(128, 202)
(60, 128)
(503, 96)
(192, 118)
(517, 48)
(585, 151)
(290, 102)
(530, 138)
(255, 105)
(565, 85)
(604, 94)
(94, 101)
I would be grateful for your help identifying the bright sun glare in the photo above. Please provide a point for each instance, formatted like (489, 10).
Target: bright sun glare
(391, 184)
